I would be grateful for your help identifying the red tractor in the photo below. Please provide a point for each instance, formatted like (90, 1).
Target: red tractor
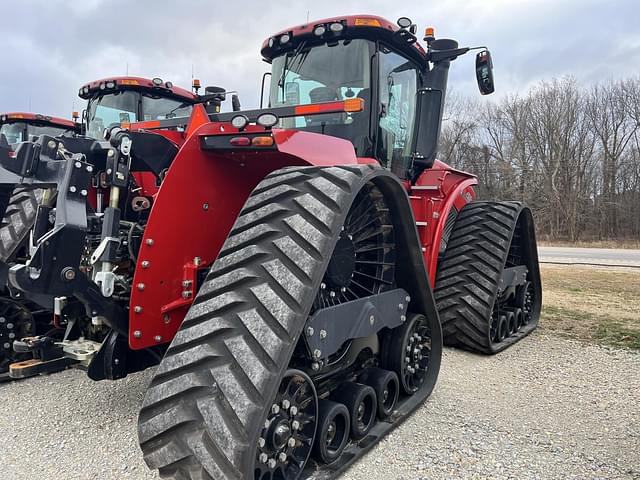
(282, 273)
(110, 101)
(17, 320)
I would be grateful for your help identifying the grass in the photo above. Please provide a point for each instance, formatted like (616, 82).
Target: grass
(627, 244)
(590, 304)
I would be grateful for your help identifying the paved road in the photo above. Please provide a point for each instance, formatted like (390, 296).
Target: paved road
(546, 408)
(608, 256)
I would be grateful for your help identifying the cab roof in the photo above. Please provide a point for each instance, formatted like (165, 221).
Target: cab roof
(156, 85)
(371, 27)
(36, 118)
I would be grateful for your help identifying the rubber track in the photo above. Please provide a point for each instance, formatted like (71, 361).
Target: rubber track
(206, 404)
(18, 220)
(469, 274)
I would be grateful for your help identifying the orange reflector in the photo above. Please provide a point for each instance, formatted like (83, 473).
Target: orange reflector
(262, 141)
(429, 32)
(129, 82)
(350, 105)
(367, 22)
(240, 141)
(16, 116)
(354, 105)
(149, 124)
(125, 125)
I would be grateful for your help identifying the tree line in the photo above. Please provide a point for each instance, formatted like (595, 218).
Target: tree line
(572, 153)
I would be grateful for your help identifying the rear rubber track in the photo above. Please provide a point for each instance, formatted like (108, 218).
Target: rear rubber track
(18, 220)
(469, 275)
(208, 400)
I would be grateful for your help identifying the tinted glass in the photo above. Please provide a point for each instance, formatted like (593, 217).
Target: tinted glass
(111, 110)
(398, 80)
(325, 74)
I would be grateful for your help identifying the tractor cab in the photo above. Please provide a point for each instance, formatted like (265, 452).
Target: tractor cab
(20, 127)
(124, 100)
(401, 85)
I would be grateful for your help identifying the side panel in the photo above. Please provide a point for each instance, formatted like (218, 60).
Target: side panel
(193, 211)
(436, 192)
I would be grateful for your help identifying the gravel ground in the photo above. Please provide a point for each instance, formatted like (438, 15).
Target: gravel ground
(546, 408)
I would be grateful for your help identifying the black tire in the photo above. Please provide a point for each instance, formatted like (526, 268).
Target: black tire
(19, 218)
(362, 403)
(485, 236)
(334, 425)
(210, 395)
(387, 388)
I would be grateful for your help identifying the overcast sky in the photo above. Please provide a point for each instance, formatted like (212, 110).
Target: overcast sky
(51, 47)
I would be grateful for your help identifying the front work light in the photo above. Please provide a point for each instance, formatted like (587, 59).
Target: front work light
(267, 120)
(239, 121)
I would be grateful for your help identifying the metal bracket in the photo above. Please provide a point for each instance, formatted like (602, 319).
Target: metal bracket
(513, 276)
(328, 329)
(102, 247)
(106, 281)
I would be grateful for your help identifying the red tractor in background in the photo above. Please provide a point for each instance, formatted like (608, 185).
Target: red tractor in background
(17, 320)
(281, 275)
(110, 101)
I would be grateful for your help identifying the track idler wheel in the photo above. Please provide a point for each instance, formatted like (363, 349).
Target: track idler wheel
(387, 388)
(362, 404)
(332, 436)
(285, 443)
(408, 351)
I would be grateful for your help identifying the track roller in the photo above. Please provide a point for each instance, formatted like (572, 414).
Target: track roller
(407, 352)
(489, 268)
(362, 403)
(387, 388)
(503, 328)
(334, 425)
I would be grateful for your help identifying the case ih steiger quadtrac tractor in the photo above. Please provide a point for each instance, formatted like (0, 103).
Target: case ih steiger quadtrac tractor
(110, 101)
(281, 276)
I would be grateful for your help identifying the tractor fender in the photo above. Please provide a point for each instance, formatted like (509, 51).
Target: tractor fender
(194, 210)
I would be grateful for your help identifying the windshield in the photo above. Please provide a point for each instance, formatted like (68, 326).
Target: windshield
(37, 130)
(110, 110)
(155, 107)
(324, 74)
(14, 132)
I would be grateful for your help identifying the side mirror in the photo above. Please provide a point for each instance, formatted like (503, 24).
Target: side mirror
(484, 72)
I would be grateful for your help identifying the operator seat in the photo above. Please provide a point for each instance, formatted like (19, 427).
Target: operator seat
(319, 95)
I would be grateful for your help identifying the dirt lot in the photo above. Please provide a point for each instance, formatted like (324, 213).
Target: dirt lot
(549, 407)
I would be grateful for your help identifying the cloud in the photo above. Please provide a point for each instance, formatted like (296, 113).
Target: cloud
(51, 48)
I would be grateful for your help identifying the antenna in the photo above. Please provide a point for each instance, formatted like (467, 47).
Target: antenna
(307, 16)
(127, 69)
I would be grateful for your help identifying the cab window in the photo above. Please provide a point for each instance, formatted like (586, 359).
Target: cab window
(398, 86)
(155, 107)
(111, 110)
(13, 132)
(37, 130)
